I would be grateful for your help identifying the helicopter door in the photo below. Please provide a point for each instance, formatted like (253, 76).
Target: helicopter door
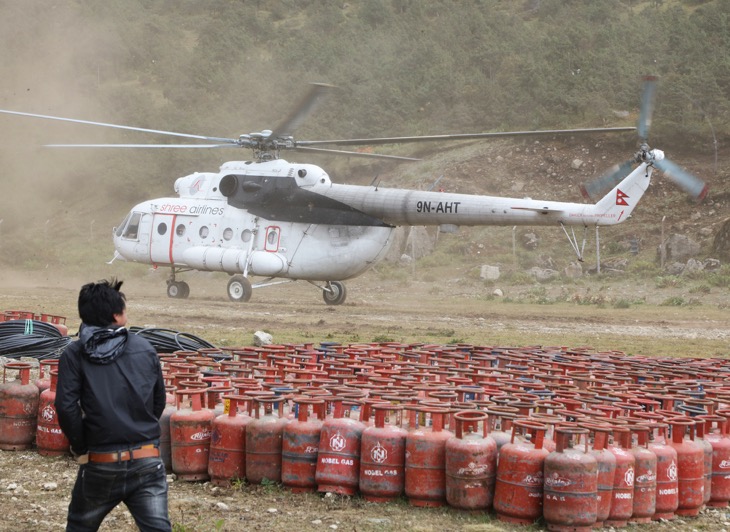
(273, 237)
(161, 239)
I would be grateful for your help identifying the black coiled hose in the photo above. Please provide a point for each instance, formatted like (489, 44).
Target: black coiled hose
(31, 338)
(167, 340)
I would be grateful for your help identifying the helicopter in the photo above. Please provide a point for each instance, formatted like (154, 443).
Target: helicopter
(285, 221)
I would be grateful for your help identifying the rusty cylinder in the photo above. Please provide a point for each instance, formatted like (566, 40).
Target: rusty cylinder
(18, 408)
(570, 485)
(190, 431)
(338, 458)
(606, 469)
(720, 442)
(50, 439)
(645, 475)
(264, 436)
(300, 445)
(667, 488)
(383, 455)
(690, 466)
(622, 501)
(227, 458)
(471, 462)
(519, 486)
(425, 458)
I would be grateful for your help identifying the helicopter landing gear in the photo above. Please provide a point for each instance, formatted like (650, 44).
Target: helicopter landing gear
(239, 289)
(334, 293)
(178, 289)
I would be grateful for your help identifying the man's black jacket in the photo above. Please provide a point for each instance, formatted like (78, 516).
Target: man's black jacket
(111, 405)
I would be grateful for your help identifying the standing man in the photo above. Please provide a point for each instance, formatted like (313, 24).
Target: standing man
(109, 399)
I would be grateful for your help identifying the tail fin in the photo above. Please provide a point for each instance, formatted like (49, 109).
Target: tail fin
(620, 202)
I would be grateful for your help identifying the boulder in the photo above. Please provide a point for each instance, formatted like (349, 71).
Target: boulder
(489, 273)
(680, 248)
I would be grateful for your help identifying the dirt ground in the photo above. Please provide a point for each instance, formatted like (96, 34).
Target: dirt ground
(34, 490)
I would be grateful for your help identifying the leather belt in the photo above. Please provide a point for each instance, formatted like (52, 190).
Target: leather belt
(146, 451)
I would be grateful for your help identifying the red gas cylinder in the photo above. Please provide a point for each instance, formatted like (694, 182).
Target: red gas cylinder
(49, 438)
(690, 466)
(165, 437)
(667, 487)
(606, 469)
(227, 459)
(300, 445)
(570, 487)
(717, 435)
(18, 408)
(519, 487)
(338, 459)
(471, 462)
(263, 440)
(44, 373)
(622, 502)
(645, 476)
(701, 440)
(425, 458)
(190, 430)
(383, 455)
(500, 424)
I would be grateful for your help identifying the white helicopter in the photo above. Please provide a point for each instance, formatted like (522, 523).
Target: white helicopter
(288, 221)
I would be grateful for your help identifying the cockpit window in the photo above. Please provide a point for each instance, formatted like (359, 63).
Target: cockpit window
(122, 225)
(132, 228)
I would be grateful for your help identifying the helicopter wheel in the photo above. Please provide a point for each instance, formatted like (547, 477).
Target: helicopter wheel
(178, 290)
(334, 293)
(239, 289)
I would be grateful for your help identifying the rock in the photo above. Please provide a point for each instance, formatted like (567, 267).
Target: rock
(576, 164)
(261, 338)
(489, 273)
(272, 510)
(222, 506)
(530, 240)
(693, 266)
(711, 265)
(542, 274)
(574, 270)
(317, 522)
(498, 292)
(680, 248)
(12, 486)
(676, 268)
(50, 486)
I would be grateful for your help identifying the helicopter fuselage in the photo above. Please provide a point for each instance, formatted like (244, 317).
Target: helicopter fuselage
(279, 219)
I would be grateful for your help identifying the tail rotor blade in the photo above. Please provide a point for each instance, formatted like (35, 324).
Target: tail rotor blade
(607, 181)
(647, 107)
(691, 184)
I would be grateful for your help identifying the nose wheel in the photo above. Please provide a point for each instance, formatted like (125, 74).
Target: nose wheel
(334, 293)
(239, 289)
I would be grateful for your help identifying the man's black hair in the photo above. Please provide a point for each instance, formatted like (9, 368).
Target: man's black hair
(99, 301)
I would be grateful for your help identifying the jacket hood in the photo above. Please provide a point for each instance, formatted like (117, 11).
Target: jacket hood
(102, 345)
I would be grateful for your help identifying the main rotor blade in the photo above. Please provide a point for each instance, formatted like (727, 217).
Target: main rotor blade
(116, 126)
(691, 184)
(461, 136)
(181, 146)
(647, 107)
(612, 177)
(305, 107)
(356, 153)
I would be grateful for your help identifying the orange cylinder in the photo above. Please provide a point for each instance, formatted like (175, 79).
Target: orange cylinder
(300, 445)
(518, 490)
(622, 501)
(471, 462)
(690, 466)
(720, 442)
(263, 440)
(338, 457)
(227, 458)
(190, 431)
(645, 477)
(50, 439)
(18, 408)
(606, 469)
(571, 483)
(425, 458)
(383, 456)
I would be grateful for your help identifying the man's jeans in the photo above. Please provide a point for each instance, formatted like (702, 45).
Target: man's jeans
(141, 484)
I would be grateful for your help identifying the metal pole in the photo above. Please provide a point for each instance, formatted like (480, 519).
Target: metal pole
(598, 253)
